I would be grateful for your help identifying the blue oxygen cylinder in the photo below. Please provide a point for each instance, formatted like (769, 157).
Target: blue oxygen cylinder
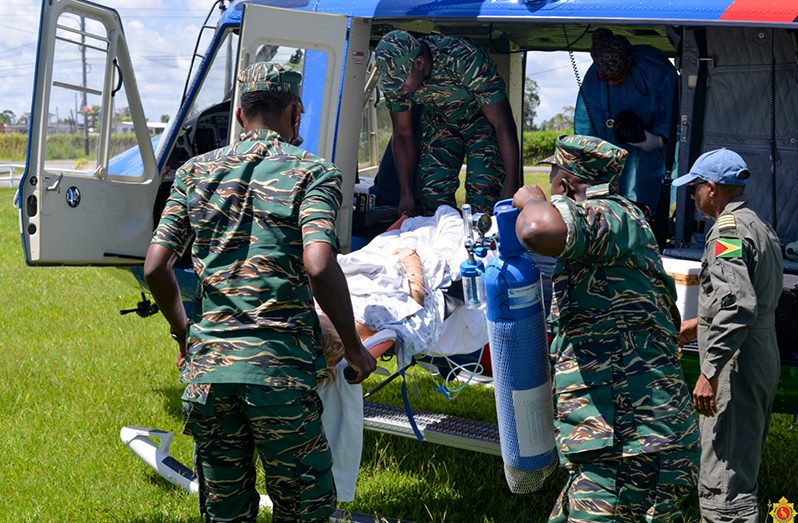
(518, 354)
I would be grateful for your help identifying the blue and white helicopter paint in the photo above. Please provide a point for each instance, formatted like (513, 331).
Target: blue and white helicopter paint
(738, 63)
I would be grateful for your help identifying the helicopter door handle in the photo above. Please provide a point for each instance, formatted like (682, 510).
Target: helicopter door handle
(56, 183)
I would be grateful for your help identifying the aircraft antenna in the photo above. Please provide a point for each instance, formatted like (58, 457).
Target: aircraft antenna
(220, 4)
(593, 127)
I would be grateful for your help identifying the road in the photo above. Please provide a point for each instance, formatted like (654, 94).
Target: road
(11, 172)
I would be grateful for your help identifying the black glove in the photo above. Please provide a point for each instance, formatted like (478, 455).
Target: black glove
(629, 128)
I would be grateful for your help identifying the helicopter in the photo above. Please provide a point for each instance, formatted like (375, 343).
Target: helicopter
(738, 69)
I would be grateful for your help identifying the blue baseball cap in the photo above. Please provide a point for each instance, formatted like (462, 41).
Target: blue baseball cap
(722, 166)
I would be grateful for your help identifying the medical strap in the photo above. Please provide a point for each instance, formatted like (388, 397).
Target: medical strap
(699, 101)
(696, 125)
(408, 409)
(772, 138)
(661, 219)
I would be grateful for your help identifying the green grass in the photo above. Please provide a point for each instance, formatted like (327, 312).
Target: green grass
(74, 372)
(13, 146)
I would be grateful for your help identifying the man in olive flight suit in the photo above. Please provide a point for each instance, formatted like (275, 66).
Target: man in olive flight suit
(741, 280)
(262, 215)
(466, 115)
(627, 430)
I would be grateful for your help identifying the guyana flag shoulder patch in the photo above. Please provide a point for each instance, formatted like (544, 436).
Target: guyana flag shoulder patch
(728, 248)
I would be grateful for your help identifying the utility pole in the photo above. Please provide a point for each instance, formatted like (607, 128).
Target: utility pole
(85, 102)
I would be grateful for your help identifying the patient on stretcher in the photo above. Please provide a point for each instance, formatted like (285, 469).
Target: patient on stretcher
(403, 281)
(330, 341)
(397, 283)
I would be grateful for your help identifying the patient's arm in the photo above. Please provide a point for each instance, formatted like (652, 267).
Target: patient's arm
(411, 263)
(331, 343)
(328, 284)
(363, 332)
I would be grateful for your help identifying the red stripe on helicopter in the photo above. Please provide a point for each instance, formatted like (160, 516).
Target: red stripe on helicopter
(762, 11)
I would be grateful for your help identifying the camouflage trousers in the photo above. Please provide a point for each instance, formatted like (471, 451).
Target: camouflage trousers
(284, 428)
(643, 488)
(444, 145)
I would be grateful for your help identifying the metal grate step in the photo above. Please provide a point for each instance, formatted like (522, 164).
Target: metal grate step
(441, 429)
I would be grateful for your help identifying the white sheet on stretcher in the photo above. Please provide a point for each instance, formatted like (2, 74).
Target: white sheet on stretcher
(379, 287)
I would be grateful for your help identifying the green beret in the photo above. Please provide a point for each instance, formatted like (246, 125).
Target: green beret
(395, 54)
(270, 77)
(589, 158)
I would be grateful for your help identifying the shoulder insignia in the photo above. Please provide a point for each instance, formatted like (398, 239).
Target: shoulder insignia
(728, 248)
(727, 223)
(597, 191)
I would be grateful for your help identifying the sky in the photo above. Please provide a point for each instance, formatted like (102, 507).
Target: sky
(161, 35)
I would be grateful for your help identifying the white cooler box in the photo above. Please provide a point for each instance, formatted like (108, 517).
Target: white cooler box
(685, 274)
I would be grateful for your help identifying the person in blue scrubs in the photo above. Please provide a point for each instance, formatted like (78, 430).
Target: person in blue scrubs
(626, 99)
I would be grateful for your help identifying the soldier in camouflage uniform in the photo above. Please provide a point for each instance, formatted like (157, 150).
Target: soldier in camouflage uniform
(741, 282)
(627, 430)
(466, 115)
(262, 216)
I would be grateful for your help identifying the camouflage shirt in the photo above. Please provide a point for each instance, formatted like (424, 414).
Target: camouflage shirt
(619, 386)
(463, 79)
(251, 208)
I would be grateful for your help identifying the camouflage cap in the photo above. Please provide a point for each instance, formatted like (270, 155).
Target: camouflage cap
(270, 77)
(395, 54)
(589, 158)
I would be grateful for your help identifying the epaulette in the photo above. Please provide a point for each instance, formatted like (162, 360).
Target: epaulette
(727, 225)
(597, 191)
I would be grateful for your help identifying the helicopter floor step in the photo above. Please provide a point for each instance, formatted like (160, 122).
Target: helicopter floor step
(440, 429)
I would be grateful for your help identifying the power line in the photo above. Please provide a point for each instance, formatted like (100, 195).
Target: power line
(16, 48)
(65, 63)
(125, 10)
(125, 18)
(537, 73)
(9, 26)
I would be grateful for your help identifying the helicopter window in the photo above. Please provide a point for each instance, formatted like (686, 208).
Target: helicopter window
(312, 63)
(218, 83)
(76, 94)
(75, 127)
(376, 127)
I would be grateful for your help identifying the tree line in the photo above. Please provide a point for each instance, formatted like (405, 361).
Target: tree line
(562, 121)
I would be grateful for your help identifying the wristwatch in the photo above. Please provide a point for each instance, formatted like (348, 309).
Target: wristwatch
(179, 338)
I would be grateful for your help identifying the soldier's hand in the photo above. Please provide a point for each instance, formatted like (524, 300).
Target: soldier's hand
(704, 396)
(361, 361)
(407, 205)
(180, 361)
(510, 187)
(526, 194)
(688, 331)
